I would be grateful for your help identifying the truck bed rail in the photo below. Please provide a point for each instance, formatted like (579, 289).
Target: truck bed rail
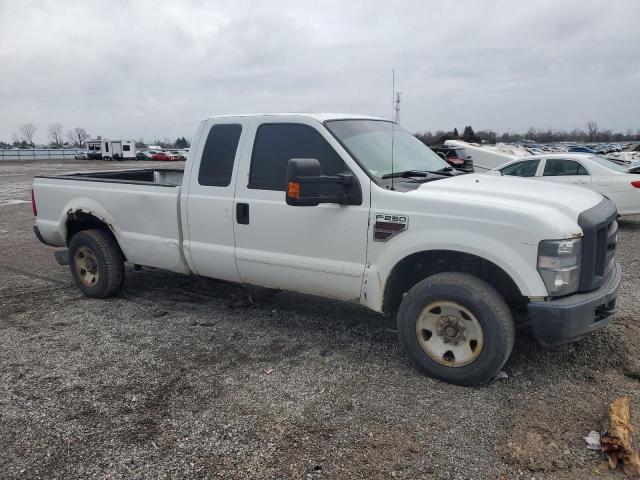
(160, 177)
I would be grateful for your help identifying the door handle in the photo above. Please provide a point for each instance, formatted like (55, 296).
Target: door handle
(242, 213)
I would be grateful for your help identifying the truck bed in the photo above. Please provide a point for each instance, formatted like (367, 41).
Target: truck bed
(141, 207)
(169, 177)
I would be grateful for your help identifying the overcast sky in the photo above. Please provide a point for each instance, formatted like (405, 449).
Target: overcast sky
(153, 69)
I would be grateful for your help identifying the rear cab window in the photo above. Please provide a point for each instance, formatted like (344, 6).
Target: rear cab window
(218, 155)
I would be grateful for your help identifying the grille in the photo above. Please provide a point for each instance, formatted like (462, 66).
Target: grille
(600, 237)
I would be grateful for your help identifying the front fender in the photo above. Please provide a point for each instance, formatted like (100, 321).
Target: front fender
(517, 261)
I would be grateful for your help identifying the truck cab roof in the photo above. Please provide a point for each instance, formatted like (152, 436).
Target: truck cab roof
(320, 117)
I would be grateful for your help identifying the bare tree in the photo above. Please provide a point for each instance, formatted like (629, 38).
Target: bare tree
(77, 137)
(55, 134)
(593, 130)
(425, 137)
(27, 133)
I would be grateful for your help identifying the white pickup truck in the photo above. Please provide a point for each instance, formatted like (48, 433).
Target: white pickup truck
(352, 208)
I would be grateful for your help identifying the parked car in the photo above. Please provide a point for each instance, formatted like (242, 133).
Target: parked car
(80, 155)
(175, 155)
(600, 174)
(454, 156)
(143, 155)
(160, 156)
(633, 167)
(582, 149)
(312, 204)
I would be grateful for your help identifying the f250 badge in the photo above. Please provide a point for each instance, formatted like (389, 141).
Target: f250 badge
(387, 226)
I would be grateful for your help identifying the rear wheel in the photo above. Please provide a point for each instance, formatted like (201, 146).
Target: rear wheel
(96, 263)
(456, 327)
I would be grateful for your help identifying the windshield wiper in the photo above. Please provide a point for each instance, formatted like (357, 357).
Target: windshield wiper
(418, 173)
(407, 174)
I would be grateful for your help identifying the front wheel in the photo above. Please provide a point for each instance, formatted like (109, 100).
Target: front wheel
(457, 328)
(96, 263)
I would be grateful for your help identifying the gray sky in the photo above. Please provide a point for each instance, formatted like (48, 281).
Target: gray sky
(153, 69)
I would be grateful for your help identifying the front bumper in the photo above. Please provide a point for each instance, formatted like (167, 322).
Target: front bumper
(569, 318)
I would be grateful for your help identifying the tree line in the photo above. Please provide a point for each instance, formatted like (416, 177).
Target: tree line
(78, 136)
(74, 138)
(592, 133)
(180, 142)
(25, 137)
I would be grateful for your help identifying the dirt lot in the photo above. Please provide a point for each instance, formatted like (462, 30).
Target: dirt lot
(171, 380)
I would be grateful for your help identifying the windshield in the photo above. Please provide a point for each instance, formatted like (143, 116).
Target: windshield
(369, 141)
(605, 162)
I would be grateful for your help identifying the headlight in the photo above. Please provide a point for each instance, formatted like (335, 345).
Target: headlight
(559, 265)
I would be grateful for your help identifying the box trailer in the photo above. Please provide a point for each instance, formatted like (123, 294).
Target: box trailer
(105, 149)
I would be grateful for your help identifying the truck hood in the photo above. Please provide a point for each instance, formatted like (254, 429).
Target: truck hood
(520, 193)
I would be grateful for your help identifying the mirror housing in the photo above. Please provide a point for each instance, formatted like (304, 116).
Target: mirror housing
(307, 187)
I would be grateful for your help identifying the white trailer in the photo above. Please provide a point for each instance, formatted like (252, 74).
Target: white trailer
(105, 149)
(123, 149)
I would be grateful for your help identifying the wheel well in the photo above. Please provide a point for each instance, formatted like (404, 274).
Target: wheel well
(418, 266)
(79, 221)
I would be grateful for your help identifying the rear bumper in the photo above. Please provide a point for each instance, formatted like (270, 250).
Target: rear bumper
(36, 230)
(570, 318)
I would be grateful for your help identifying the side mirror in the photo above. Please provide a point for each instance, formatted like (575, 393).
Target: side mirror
(301, 192)
(307, 187)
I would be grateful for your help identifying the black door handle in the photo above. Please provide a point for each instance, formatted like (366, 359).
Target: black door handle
(242, 213)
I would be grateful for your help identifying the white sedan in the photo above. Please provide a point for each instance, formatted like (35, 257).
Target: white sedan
(609, 178)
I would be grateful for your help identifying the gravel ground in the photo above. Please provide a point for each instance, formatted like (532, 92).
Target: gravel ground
(177, 378)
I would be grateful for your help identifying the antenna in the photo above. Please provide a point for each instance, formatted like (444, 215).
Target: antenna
(396, 107)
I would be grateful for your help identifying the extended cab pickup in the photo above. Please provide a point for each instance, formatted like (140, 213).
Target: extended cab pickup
(353, 208)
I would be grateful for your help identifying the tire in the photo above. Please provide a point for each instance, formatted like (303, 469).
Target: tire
(96, 263)
(456, 328)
